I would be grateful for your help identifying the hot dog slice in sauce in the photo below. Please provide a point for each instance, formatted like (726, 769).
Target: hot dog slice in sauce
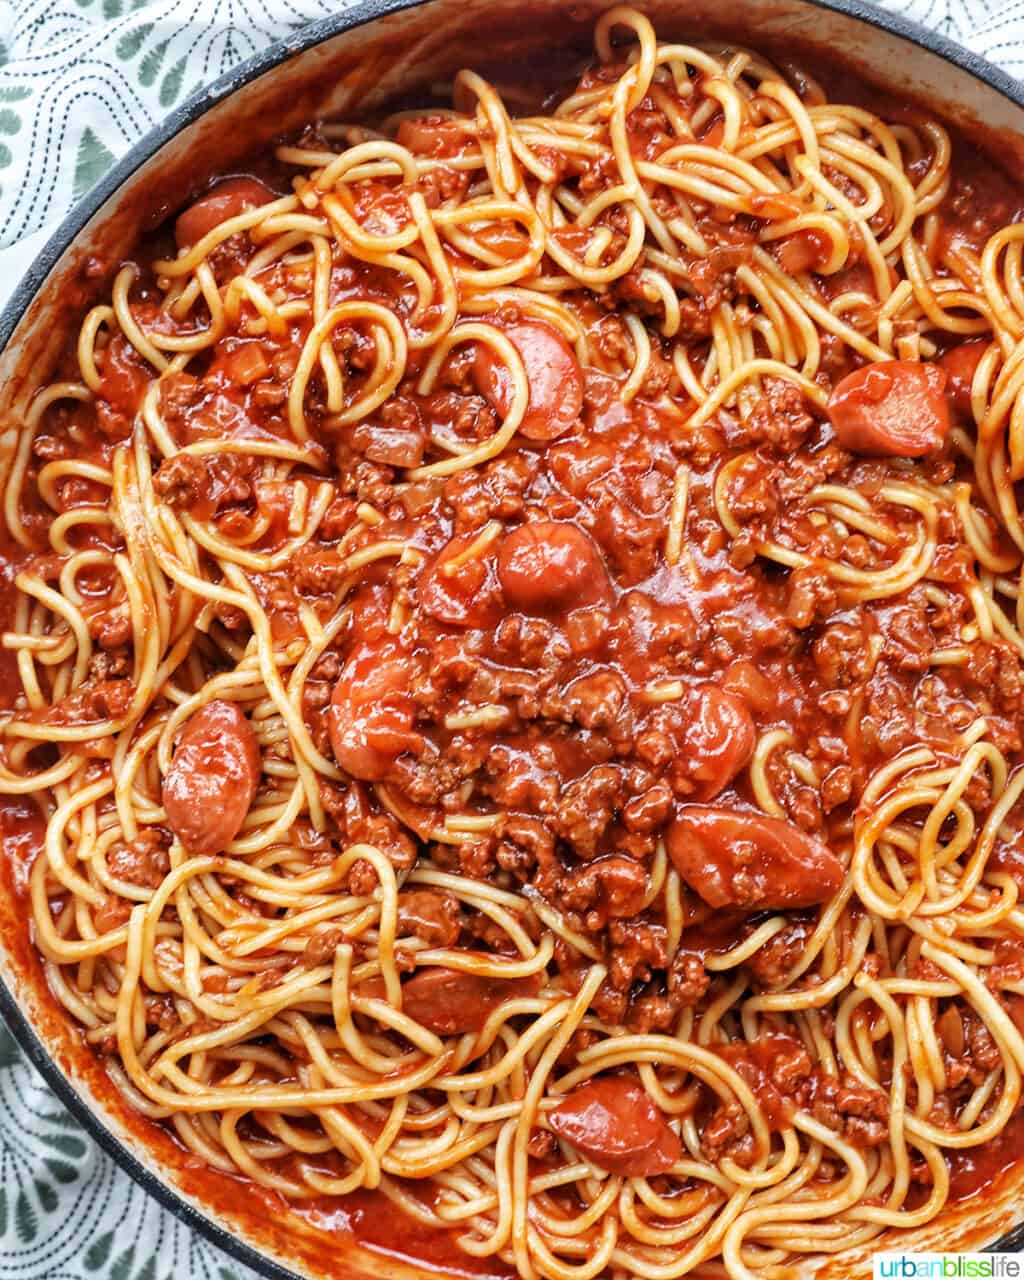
(460, 589)
(450, 1002)
(226, 200)
(896, 408)
(214, 772)
(613, 1122)
(719, 738)
(556, 383)
(734, 858)
(551, 566)
(960, 364)
(371, 715)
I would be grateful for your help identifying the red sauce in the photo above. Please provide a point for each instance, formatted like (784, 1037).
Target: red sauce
(370, 1218)
(981, 1169)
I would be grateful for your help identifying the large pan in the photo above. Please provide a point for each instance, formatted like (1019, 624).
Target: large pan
(343, 66)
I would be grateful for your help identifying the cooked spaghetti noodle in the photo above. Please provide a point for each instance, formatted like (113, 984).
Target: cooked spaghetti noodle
(518, 657)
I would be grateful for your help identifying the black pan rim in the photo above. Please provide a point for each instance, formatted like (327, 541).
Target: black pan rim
(358, 15)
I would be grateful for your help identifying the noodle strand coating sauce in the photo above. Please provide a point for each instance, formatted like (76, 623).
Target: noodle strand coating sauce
(613, 1122)
(212, 778)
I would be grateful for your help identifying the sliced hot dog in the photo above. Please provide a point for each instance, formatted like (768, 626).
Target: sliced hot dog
(548, 566)
(371, 715)
(226, 200)
(556, 383)
(735, 858)
(212, 778)
(959, 364)
(463, 593)
(895, 408)
(450, 1002)
(719, 738)
(612, 1121)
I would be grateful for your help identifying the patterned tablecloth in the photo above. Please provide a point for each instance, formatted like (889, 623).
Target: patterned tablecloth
(80, 81)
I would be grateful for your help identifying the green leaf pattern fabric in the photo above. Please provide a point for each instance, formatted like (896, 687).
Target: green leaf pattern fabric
(67, 1212)
(80, 82)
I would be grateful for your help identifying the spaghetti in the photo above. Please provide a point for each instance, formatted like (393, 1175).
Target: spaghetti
(517, 653)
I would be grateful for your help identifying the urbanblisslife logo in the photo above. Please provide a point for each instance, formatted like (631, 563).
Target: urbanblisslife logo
(949, 1266)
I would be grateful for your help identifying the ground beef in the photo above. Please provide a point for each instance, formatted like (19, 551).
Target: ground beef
(771, 962)
(779, 418)
(440, 184)
(111, 629)
(317, 570)
(322, 946)
(841, 653)
(110, 664)
(650, 810)
(812, 595)
(658, 375)
(609, 888)
(180, 393)
(688, 980)
(181, 480)
(726, 1132)
(431, 915)
(361, 824)
(714, 277)
(640, 297)
(366, 481)
(587, 808)
(752, 491)
(597, 701)
(143, 861)
(104, 700)
(522, 844)
(358, 349)
(837, 787)
(858, 1114)
(111, 913)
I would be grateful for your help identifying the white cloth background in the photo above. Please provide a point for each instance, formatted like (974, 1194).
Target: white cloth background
(80, 81)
